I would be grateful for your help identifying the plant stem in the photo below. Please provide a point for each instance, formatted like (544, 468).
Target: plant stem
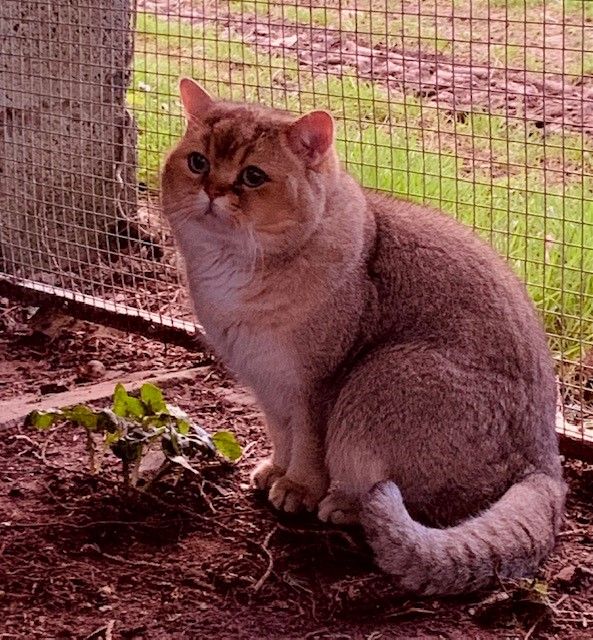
(90, 448)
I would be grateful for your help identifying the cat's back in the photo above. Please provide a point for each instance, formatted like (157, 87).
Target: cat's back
(444, 291)
(423, 230)
(438, 280)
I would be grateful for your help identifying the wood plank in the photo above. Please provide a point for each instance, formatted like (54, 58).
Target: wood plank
(15, 410)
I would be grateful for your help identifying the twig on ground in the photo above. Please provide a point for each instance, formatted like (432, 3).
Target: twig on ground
(325, 630)
(85, 525)
(324, 532)
(122, 560)
(410, 611)
(532, 629)
(205, 497)
(264, 546)
(39, 450)
(247, 449)
(20, 436)
(105, 632)
(44, 446)
(573, 532)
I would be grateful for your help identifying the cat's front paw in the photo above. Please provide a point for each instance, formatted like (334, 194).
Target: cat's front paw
(291, 496)
(265, 474)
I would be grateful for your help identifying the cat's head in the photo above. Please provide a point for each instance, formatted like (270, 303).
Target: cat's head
(246, 171)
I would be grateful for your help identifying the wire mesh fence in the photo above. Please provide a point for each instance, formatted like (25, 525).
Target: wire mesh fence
(483, 108)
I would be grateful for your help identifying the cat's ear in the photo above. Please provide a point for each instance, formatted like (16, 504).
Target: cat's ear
(195, 100)
(312, 136)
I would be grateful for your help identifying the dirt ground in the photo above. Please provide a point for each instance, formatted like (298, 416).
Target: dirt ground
(81, 558)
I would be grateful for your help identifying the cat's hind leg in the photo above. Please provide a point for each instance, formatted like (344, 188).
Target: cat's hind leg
(351, 478)
(355, 454)
(435, 427)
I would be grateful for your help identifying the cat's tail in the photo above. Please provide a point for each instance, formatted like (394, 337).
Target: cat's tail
(509, 539)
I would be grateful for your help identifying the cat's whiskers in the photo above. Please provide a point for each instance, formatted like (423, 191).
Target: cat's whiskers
(180, 217)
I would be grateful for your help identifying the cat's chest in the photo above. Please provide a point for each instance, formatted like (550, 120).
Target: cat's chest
(247, 335)
(262, 358)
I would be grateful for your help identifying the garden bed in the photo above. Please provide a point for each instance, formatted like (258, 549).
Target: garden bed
(81, 558)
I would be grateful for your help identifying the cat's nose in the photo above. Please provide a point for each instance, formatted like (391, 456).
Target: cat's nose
(214, 191)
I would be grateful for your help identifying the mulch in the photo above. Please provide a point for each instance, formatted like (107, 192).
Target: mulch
(205, 557)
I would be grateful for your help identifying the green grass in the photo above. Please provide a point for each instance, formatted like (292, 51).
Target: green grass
(539, 216)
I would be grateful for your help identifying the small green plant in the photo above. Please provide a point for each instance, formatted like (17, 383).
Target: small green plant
(137, 423)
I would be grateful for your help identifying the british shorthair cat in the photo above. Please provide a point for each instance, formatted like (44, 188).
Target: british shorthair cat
(402, 370)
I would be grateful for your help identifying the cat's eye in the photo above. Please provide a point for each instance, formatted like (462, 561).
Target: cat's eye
(253, 177)
(197, 163)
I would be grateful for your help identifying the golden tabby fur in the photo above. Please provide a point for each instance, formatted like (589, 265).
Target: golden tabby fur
(403, 373)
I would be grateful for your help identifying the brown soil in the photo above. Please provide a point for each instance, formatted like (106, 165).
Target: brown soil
(43, 351)
(81, 558)
(458, 87)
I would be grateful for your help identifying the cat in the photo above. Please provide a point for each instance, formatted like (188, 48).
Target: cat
(401, 367)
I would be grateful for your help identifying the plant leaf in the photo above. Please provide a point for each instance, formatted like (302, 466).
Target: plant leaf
(201, 436)
(120, 397)
(226, 444)
(108, 421)
(83, 415)
(176, 411)
(126, 449)
(125, 405)
(170, 442)
(111, 437)
(183, 426)
(153, 398)
(43, 419)
(156, 422)
(182, 420)
(183, 462)
(135, 407)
